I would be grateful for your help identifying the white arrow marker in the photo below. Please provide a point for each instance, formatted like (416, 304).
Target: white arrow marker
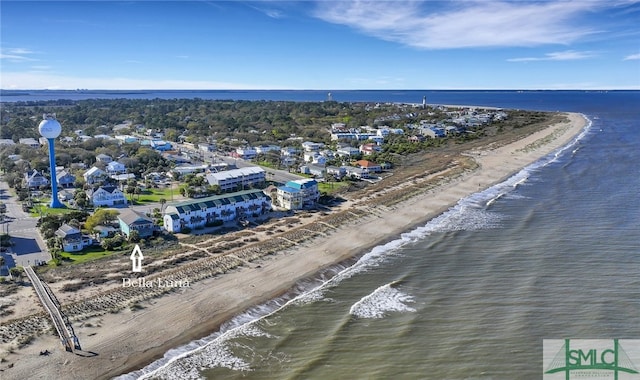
(136, 259)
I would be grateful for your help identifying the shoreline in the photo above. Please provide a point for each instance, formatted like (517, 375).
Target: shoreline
(186, 314)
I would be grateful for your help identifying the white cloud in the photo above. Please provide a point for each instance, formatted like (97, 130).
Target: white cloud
(567, 55)
(632, 57)
(17, 55)
(42, 80)
(431, 25)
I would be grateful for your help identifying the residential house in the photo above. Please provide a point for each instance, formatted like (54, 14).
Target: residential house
(160, 145)
(317, 170)
(130, 220)
(310, 146)
(267, 148)
(64, 178)
(371, 167)
(126, 139)
(246, 153)
(289, 151)
(337, 171)
(289, 198)
(347, 151)
(114, 167)
(368, 149)
(308, 188)
(8, 142)
(207, 147)
(357, 173)
(201, 212)
(102, 231)
(33, 178)
(107, 196)
(30, 142)
(315, 158)
(94, 176)
(238, 179)
(104, 158)
(72, 239)
(433, 132)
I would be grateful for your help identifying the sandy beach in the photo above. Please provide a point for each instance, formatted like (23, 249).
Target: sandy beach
(117, 343)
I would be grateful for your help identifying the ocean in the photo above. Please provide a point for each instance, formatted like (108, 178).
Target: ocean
(551, 253)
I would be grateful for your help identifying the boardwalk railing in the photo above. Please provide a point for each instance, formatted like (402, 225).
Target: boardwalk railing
(52, 306)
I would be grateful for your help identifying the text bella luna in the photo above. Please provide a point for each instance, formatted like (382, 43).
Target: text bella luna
(155, 283)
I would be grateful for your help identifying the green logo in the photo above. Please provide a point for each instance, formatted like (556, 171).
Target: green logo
(591, 358)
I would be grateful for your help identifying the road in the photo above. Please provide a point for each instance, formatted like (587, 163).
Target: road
(280, 176)
(28, 247)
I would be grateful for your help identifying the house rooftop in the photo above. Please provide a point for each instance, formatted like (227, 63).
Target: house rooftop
(129, 216)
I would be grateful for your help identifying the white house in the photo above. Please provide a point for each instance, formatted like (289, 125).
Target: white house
(199, 213)
(94, 175)
(114, 167)
(107, 196)
(30, 142)
(289, 198)
(72, 239)
(310, 146)
(308, 189)
(347, 151)
(245, 153)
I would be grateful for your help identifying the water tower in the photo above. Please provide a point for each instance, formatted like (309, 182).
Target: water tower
(50, 129)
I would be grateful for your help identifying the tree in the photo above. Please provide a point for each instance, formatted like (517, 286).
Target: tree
(163, 202)
(134, 236)
(101, 216)
(80, 197)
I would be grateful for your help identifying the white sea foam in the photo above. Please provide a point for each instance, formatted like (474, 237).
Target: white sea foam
(383, 300)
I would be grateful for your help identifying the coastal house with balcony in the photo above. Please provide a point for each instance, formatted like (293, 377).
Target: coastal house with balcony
(130, 220)
(64, 178)
(308, 189)
(72, 239)
(115, 168)
(94, 176)
(289, 198)
(371, 167)
(107, 196)
(34, 179)
(199, 213)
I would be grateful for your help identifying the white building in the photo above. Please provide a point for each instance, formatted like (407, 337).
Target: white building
(107, 196)
(238, 179)
(199, 213)
(298, 194)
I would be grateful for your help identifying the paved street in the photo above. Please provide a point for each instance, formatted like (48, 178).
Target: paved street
(28, 247)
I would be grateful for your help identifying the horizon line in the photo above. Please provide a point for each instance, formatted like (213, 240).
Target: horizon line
(325, 89)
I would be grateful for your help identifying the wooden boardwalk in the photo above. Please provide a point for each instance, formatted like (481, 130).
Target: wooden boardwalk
(52, 306)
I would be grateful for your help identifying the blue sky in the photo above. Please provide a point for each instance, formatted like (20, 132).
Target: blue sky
(326, 44)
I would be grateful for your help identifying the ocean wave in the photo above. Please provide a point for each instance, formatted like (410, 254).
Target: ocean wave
(383, 300)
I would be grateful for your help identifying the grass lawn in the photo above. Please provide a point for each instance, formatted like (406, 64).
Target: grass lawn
(88, 254)
(43, 209)
(331, 187)
(154, 196)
